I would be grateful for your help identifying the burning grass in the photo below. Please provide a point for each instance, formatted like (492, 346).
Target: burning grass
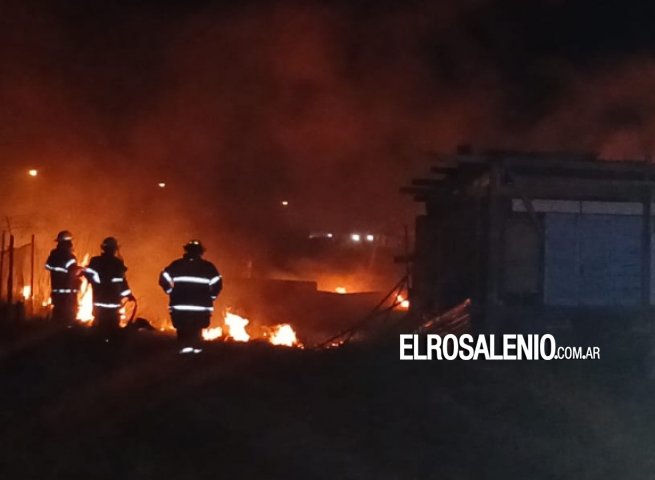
(235, 328)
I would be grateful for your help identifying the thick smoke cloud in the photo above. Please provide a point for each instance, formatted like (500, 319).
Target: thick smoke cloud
(329, 105)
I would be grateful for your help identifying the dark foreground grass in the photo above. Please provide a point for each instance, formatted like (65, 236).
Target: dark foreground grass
(73, 408)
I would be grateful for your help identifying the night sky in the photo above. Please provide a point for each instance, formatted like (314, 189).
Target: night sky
(330, 105)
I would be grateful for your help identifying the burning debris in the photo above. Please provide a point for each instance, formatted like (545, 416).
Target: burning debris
(401, 302)
(345, 296)
(234, 329)
(284, 335)
(210, 334)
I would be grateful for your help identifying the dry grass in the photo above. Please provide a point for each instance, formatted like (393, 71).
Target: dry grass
(73, 408)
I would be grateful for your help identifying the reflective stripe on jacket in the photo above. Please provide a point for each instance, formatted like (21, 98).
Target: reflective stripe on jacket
(106, 275)
(62, 265)
(192, 284)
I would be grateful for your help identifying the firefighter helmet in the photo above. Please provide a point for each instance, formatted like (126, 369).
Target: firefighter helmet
(64, 236)
(109, 243)
(194, 247)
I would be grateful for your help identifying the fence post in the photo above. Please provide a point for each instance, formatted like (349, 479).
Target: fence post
(32, 253)
(2, 262)
(10, 273)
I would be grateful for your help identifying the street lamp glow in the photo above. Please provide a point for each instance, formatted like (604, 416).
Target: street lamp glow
(285, 203)
(356, 237)
(33, 172)
(161, 184)
(370, 238)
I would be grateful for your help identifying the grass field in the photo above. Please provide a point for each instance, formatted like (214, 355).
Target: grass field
(75, 408)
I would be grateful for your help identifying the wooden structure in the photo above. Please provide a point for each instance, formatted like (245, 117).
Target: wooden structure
(534, 238)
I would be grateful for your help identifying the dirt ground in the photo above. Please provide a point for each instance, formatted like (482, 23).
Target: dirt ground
(72, 407)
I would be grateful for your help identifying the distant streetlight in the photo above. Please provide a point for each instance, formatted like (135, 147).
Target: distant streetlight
(370, 238)
(161, 184)
(285, 203)
(33, 172)
(356, 237)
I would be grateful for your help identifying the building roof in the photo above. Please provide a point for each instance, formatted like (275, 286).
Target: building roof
(536, 175)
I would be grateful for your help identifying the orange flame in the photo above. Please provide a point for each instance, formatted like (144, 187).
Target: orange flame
(236, 327)
(283, 335)
(402, 303)
(85, 299)
(209, 334)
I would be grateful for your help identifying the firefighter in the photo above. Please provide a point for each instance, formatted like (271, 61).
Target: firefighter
(64, 279)
(192, 284)
(106, 275)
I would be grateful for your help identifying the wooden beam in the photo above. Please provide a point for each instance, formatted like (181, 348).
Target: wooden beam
(580, 164)
(577, 189)
(432, 191)
(428, 182)
(443, 169)
(10, 272)
(647, 229)
(417, 190)
(495, 237)
(527, 203)
(536, 160)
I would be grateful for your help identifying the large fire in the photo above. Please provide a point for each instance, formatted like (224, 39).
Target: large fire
(234, 328)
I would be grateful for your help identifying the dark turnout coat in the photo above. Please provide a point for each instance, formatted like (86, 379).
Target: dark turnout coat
(192, 284)
(63, 268)
(106, 274)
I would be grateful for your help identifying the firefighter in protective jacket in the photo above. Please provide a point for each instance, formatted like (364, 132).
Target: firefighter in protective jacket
(64, 279)
(106, 275)
(192, 284)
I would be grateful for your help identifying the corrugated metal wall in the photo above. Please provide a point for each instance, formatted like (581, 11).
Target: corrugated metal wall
(592, 259)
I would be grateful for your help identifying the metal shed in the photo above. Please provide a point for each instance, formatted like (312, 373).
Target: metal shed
(534, 238)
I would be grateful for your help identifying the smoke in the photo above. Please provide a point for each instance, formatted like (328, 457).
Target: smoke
(314, 105)
(237, 106)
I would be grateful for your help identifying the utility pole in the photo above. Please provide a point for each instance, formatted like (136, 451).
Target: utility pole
(32, 276)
